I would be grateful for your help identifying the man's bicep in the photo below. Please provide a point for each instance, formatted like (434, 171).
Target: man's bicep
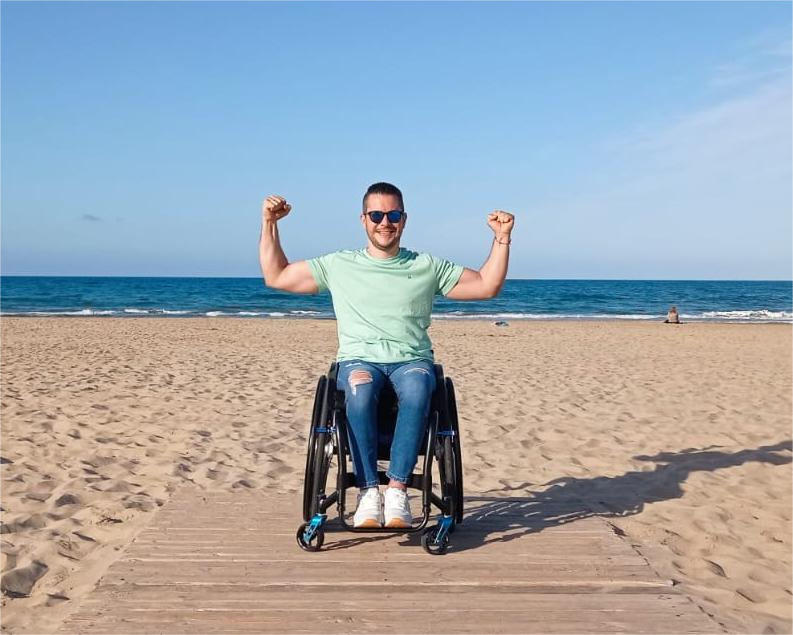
(297, 278)
(470, 286)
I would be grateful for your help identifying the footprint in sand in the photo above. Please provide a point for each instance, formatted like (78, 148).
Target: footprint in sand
(74, 548)
(751, 594)
(141, 501)
(20, 582)
(716, 568)
(54, 599)
(68, 499)
(99, 460)
(41, 491)
(217, 475)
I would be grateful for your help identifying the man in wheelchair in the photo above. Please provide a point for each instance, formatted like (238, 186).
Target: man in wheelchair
(382, 297)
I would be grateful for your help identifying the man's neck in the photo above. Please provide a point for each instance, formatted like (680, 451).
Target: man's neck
(382, 254)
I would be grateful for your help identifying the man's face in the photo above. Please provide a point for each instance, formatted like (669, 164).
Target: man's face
(385, 235)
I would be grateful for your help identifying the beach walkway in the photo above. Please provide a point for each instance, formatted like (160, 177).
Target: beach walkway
(227, 562)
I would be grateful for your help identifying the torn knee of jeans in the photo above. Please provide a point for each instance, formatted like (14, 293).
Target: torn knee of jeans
(417, 370)
(359, 377)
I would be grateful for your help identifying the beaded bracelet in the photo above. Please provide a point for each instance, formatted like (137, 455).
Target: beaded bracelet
(509, 241)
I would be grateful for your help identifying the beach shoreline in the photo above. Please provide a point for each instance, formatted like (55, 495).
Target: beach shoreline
(435, 318)
(680, 433)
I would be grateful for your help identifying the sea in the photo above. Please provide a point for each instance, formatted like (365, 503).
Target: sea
(249, 298)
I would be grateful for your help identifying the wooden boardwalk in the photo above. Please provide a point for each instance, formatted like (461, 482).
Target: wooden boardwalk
(229, 563)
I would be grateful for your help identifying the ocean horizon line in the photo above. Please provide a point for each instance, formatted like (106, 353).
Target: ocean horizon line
(212, 277)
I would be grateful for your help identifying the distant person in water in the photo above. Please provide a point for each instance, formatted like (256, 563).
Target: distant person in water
(672, 316)
(382, 296)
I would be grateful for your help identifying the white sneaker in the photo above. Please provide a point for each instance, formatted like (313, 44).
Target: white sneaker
(369, 512)
(397, 508)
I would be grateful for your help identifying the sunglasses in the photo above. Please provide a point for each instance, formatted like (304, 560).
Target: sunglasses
(394, 216)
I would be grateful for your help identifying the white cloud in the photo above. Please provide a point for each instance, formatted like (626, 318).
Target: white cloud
(708, 192)
(767, 58)
(747, 135)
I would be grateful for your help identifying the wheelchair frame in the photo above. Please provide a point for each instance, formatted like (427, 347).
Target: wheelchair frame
(328, 438)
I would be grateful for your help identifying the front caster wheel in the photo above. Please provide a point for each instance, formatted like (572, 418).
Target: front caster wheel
(315, 543)
(431, 544)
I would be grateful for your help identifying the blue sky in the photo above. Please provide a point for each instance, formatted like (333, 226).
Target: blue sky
(631, 140)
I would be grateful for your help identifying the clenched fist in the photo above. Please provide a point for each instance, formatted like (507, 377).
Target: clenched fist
(275, 208)
(501, 223)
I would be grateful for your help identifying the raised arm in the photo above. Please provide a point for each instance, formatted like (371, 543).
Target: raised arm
(487, 282)
(277, 271)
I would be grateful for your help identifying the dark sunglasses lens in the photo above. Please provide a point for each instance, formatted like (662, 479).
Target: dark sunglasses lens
(394, 216)
(376, 217)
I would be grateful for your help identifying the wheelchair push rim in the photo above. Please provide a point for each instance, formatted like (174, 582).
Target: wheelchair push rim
(317, 462)
(457, 451)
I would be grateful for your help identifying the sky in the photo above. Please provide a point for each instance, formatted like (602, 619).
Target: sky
(631, 140)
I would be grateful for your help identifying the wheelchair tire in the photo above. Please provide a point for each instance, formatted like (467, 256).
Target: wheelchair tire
(320, 470)
(457, 452)
(309, 498)
(428, 537)
(314, 545)
(444, 454)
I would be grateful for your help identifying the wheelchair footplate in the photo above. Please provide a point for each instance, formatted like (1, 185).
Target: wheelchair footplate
(434, 539)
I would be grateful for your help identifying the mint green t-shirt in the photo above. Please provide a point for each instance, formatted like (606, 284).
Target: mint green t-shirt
(383, 306)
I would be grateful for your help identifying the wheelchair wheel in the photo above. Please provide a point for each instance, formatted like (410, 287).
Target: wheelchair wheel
(456, 453)
(444, 455)
(428, 542)
(312, 473)
(315, 544)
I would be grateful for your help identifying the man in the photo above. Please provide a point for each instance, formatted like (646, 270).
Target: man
(382, 297)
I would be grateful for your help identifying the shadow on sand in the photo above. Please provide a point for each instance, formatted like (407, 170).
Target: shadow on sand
(564, 500)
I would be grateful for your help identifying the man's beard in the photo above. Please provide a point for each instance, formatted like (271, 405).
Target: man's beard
(384, 240)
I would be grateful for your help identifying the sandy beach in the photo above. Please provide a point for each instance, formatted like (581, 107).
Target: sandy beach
(680, 436)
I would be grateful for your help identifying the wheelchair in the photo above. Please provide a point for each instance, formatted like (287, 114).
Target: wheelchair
(328, 445)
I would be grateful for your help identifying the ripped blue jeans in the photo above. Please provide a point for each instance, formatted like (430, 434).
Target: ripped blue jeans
(414, 383)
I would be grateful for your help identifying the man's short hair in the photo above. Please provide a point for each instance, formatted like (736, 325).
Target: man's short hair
(384, 188)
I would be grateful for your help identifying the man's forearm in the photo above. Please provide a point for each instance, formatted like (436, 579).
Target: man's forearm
(271, 255)
(494, 271)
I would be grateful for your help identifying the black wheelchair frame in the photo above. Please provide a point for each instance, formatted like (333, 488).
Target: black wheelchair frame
(328, 438)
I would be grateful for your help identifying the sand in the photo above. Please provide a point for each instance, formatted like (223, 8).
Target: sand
(680, 436)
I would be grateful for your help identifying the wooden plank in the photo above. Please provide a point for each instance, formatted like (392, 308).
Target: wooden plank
(264, 558)
(425, 619)
(310, 570)
(367, 547)
(460, 596)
